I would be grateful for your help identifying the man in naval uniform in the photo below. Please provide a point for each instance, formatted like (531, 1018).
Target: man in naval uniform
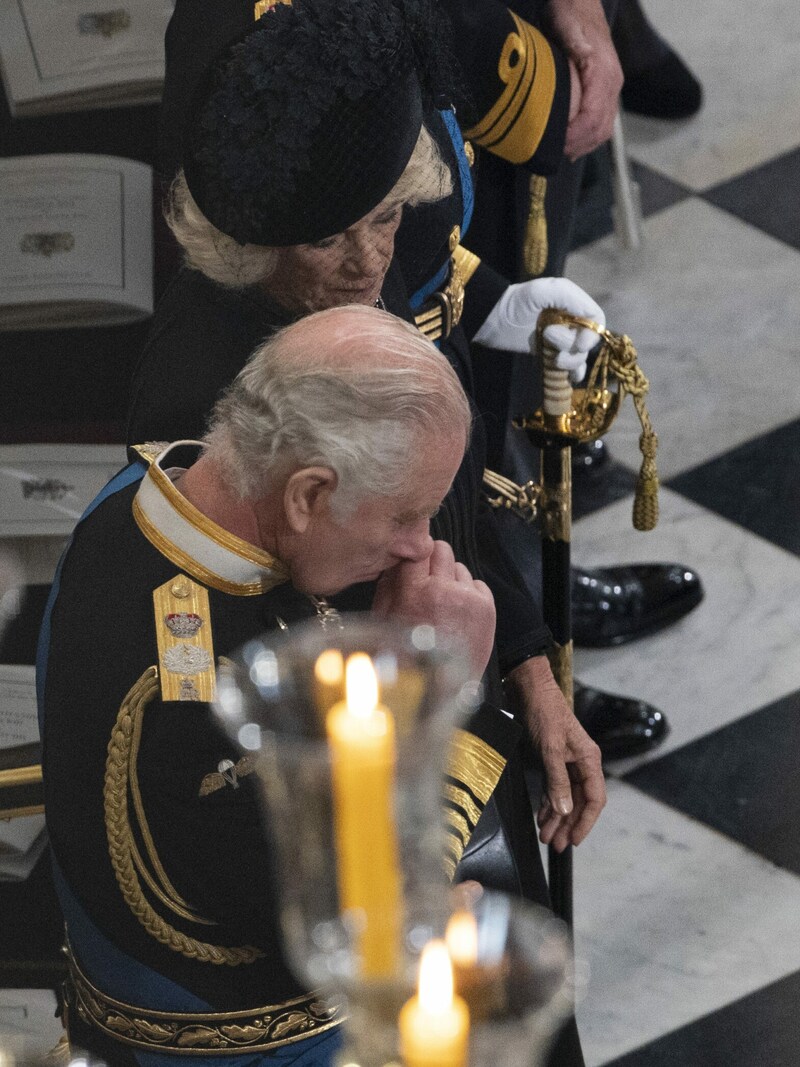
(323, 465)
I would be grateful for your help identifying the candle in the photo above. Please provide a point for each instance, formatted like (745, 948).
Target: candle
(361, 737)
(434, 1025)
(328, 679)
(482, 984)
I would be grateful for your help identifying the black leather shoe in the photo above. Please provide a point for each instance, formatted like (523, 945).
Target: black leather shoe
(612, 605)
(665, 90)
(589, 459)
(621, 726)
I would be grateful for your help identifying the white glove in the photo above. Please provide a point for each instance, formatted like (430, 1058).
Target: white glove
(512, 321)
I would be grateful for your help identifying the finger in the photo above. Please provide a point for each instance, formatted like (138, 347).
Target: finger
(559, 786)
(573, 339)
(548, 822)
(441, 562)
(462, 574)
(592, 793)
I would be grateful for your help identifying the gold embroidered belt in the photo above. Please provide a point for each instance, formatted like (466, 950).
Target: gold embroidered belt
(193, 1034)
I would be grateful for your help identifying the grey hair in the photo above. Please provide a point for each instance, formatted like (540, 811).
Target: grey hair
(362, 406)
(425, 179)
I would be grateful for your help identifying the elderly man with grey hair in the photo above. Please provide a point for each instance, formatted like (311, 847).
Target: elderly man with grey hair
(326, 459)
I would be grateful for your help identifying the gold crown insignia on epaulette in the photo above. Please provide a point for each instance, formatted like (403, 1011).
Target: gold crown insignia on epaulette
(185, 640)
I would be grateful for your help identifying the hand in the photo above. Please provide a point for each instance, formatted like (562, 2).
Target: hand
(581, 29)
(442, 593)
(575, 789)
(512, 320)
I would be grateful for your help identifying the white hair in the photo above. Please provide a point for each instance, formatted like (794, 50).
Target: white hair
(362, 404)
(425, 179)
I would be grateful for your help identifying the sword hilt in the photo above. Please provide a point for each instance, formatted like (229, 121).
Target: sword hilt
(556, 384)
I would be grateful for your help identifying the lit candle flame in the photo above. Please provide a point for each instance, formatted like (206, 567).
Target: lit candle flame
(361, 685)
(462, 939)
(435, 979)
(329, 668)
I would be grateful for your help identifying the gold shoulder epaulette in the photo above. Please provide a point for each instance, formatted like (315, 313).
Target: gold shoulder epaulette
(264, 5)
(150, 450)
(466, 262)
(185, 640)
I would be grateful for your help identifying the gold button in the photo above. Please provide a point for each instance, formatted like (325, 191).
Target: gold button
(469, 152)
(180, 589)
(455, 237)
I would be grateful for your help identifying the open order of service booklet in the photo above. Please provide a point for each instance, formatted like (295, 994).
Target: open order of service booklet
(76, 241)
(70, 55)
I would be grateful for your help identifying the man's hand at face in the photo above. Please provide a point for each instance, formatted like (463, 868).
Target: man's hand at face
(575, 791)
(441, 592)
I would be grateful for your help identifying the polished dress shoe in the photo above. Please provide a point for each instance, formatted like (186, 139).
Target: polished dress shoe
(621, 726)
(612, 605)
(665, 90)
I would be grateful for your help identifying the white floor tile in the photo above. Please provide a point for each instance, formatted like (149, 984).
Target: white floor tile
(747, 57)
(674, 920)
(736, 652)
(712, 307)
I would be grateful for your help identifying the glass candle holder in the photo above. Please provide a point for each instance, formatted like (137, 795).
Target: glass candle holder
(350, 728)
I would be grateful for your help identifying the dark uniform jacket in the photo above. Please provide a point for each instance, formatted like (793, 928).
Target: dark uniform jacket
(161, 866)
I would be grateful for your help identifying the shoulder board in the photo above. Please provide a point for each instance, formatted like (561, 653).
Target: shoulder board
(185, 640)
(150, 450)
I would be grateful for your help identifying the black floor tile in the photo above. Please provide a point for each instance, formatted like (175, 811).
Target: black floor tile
(739, 780)
(760, 1030)
(756, 485)
(591, 492)
(594, 218)
(765, 197)
(656, 191)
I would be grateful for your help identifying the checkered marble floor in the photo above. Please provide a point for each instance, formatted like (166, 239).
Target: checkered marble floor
(687, 894)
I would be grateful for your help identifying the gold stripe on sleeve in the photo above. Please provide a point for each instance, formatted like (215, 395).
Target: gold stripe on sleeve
(514, 126)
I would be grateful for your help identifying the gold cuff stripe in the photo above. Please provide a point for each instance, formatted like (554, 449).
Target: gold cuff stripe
(223, 537)
(191, 566)
(14, 776)
(514, 126)
(460, 798)
(458, 826)
(453, 853)
(120, 837)
(474, 763)
(194, 1034)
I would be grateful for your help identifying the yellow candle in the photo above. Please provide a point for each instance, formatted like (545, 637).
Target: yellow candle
(361, 737)
(328, 679)
(434, 1025)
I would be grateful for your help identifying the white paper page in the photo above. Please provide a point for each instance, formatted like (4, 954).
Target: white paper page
(55, 47)
(18, 723)
(18, 835)
(44, 489)
(16, 866)
(75, 228)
